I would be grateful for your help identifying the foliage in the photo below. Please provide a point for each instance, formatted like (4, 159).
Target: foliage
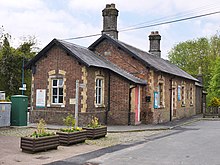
(214, 102)
(70, 121)
(71, 129)
(94, 123)
(214, 87)
(41, 131)
(192, 54)
(11, 63)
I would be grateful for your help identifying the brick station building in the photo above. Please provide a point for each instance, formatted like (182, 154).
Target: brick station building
(122, 84)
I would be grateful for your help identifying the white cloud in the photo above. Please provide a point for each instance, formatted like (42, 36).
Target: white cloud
(83, 17)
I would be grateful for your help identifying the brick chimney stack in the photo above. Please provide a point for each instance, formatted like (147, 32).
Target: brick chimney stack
(110, 14)
(200, 76)
(155, 38)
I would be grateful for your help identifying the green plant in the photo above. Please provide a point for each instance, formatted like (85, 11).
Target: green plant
(94, 123)
(41, 131)
(214, 102)
(70, 121)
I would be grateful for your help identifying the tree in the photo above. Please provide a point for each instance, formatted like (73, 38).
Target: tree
(192, 54)
(214, 87)
(11, 60)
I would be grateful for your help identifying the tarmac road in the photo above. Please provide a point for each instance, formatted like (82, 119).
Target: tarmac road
(194, 144)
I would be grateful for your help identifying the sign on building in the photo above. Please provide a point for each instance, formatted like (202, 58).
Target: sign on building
(40, 98)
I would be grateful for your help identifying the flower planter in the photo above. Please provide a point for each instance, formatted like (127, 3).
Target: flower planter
(68, 138)
(94, 133)
(32, 145)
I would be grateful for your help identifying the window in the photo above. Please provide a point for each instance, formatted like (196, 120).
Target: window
(183, 95)
(57, 91)
(160, 89)
(191, 96)
(174, 98)
(99, 92)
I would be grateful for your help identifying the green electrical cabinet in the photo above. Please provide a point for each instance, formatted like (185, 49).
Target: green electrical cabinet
(19, 108)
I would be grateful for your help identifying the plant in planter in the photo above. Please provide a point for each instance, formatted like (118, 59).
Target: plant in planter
(71, 134)
(40, 140)
(96, 130)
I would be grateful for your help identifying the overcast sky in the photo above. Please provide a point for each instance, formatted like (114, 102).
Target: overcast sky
(61, 19)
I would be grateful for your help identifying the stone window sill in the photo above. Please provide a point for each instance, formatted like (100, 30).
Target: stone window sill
(56, 106)
(100, 106)
(161, 107)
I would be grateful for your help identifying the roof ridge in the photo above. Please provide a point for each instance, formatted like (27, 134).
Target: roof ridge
(63, 41)
(156, 63)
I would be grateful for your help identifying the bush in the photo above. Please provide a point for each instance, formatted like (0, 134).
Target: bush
(214, 102)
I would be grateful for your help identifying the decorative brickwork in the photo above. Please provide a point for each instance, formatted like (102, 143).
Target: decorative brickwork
(84, 90)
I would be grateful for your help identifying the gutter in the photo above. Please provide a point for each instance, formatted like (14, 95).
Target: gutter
(109, 100)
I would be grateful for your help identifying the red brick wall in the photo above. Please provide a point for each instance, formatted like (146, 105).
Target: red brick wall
(119, 101)
(135, 67)
(56, 59)
(162, 115)
(128, 63)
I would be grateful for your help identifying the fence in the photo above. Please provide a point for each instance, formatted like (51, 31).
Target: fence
(212, 112)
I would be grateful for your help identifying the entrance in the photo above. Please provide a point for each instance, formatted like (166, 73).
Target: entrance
(137, 104)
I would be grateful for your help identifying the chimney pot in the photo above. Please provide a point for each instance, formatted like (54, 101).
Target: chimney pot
(108, 5)
(113, 5)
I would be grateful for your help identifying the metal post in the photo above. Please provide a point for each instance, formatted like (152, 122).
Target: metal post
(22, 77)
(77, 103)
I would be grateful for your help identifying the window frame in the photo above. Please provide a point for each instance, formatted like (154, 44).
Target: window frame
(191, 95)
(161, 94)
(99, 92)
(183, 95)
(58, 86)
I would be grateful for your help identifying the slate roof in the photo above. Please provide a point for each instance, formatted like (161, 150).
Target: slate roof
(156, 63)
(87, 57)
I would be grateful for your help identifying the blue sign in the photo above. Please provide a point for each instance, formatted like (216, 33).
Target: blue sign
(156, 100)
(179, 93)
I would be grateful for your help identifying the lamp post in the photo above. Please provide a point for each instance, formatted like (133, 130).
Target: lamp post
(22, 77)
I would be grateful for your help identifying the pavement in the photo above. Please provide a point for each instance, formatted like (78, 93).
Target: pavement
(11, 153)
(142, 127)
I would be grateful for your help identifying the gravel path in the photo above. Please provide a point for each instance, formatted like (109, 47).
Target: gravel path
(11, 153)
(118, 138)
(110, 139)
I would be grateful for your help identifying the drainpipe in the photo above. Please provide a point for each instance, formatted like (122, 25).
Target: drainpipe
(171, 88)
(109, 100)
(129, 107)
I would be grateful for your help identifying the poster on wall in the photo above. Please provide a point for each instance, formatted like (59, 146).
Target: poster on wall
(40, 98)
(156, 100)
(178, 93)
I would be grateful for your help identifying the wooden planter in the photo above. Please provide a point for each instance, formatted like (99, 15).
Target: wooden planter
(68, 138)
(32, 145)
(94, 133)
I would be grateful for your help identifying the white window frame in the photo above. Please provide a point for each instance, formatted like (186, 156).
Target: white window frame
(183, 95)
(191, 95)
(99, 92)
(161, 94)
(58, 86)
